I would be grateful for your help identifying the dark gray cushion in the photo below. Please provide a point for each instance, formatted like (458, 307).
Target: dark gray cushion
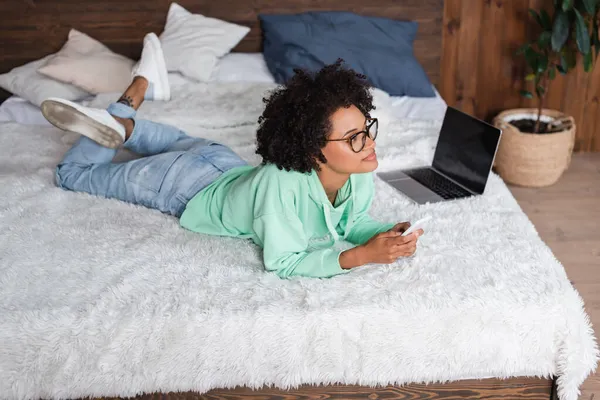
(380, 48)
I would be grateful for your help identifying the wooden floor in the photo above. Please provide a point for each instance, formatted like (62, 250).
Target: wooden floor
(567, 216)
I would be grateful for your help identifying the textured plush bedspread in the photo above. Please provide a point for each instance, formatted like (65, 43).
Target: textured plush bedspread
(100, 297)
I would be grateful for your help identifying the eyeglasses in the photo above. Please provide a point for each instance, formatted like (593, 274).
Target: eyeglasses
(358, 140)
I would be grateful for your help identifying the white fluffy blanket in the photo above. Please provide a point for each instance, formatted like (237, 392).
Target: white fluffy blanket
(104, 298)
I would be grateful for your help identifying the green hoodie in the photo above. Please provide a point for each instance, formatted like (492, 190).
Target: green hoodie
(288, 214)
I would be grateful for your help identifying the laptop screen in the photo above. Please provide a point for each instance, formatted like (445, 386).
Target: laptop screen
(466, 149)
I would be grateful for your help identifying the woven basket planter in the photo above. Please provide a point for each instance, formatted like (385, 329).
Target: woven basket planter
(531, 159)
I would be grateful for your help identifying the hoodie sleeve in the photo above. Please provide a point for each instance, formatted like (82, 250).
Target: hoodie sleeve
(285, 249)
(363, 226)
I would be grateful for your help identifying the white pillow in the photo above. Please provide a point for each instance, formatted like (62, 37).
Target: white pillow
(16, 109)
(249, 67)
(90, 65)
(26, 82)
(193, 43)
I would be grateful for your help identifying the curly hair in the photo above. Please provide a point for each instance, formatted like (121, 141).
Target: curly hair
(295, 124)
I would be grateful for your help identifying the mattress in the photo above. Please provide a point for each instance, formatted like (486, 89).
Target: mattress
(17, 109)
(427, 108)
(104, 298)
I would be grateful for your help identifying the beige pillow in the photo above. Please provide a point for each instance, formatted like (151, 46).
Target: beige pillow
(26, 82)
(90, 65)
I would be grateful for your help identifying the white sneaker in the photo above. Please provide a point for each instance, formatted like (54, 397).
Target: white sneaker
(95, 123)
(152, 66)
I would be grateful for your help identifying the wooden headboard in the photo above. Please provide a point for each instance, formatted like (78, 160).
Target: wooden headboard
(32, 29)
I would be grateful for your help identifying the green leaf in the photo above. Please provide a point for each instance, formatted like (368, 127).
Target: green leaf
(560, 30)
(544, 39)
(536, 16)
(582, 34)
(523, 48)
(595, 38)
(580, 7)
(563, 68)
(526, 94)
(542, 63)
(531, 56)
(552, 73)
(529, 77)
(567, 5)
(590, 6)
(571, 57)
(546, 22)
(587, 61)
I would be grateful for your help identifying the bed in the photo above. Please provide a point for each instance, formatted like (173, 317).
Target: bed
(95, 303)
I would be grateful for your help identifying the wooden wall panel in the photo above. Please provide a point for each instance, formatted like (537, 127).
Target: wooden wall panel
(591, 113)
(468, 57)
(481, 75)
(31, 29)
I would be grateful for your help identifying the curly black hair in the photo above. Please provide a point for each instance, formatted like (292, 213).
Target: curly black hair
(296, 121)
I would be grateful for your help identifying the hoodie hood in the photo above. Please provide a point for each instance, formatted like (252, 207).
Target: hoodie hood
(317, 193)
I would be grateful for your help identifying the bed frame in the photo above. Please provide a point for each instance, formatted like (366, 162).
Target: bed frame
(489, 389)
(34, 28)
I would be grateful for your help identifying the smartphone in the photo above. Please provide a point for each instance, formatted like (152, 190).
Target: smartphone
(417, 225)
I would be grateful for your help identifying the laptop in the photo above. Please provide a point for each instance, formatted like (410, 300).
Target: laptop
(463, 159)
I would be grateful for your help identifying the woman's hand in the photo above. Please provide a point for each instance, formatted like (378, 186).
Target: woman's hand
(387, 247)
(383, 248)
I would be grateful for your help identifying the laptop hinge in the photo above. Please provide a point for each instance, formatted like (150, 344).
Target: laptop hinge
(452, 180)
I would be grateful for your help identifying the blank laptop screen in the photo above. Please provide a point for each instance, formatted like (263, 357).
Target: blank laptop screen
(465, 149)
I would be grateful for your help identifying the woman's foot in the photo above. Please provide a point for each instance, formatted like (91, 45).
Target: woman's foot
(150, 82)
(127, 123)
(152, 66)
(95, 123)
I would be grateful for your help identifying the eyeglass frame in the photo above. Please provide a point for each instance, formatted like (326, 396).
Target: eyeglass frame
(366, 132)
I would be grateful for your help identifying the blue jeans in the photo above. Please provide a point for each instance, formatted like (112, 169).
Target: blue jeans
(175, 166)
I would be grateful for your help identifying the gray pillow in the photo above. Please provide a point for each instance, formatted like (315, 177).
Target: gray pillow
(380, 48)
(26, 82)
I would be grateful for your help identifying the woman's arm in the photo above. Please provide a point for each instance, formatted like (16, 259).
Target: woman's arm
(382, 248)
(285, 249)
(354, 257)
(364, 228)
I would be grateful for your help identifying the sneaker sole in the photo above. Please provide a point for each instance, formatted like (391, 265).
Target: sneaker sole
(69, 118)
(162, 67)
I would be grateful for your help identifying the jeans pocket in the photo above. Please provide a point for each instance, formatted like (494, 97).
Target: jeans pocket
(191, 175)
(150, 172)
(222, 157)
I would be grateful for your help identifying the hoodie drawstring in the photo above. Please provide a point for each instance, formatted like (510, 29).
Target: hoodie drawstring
(330, 227)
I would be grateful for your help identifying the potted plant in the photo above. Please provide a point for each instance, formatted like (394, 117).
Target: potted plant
(537, 143)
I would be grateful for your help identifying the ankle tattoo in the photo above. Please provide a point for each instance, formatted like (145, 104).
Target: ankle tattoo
(127, 100)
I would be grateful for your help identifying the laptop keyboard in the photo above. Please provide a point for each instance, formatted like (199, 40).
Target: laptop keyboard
(442, 186)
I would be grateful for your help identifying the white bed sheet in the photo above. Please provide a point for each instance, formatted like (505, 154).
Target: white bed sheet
(17, 109)
(431, 108)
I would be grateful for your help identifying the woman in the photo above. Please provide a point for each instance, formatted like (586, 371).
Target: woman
(315, 186)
